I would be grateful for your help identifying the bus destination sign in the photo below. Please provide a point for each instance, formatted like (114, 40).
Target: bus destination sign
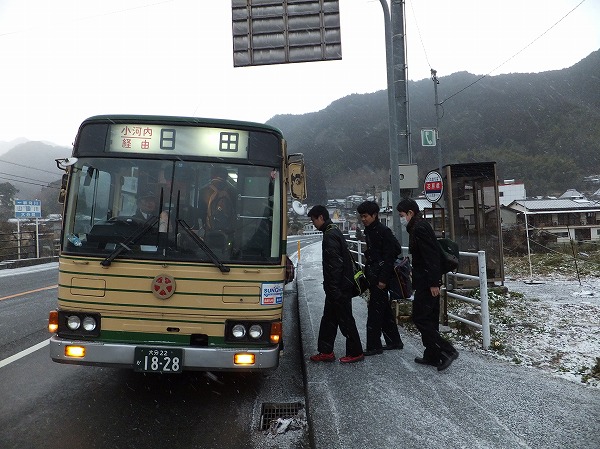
(178, 140)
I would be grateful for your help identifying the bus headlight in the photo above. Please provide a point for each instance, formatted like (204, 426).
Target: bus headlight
(73, 322)
(255, 331)
(238, 331)
(89, 323)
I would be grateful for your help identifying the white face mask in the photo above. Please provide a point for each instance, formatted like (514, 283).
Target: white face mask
(403, 221)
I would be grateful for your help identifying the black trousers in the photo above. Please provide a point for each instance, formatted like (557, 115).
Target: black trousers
(339, 314)
(380, 319)
(426, 316)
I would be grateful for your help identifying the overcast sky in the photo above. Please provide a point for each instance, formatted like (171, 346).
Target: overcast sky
(65, 60)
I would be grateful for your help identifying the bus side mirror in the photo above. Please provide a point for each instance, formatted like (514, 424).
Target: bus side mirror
(63, 189)
(297, 176)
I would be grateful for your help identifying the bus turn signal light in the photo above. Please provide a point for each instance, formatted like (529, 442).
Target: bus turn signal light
(53, 322)
(275, 332)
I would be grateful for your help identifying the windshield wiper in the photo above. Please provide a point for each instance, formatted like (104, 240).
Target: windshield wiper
(123, 246)
(204, 247)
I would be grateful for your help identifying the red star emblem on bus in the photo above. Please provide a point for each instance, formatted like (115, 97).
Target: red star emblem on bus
(163, 286)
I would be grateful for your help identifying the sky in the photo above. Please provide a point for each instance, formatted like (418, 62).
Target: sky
(66, 60)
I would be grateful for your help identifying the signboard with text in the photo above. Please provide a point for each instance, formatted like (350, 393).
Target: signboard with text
(434, 187)
(28, 209)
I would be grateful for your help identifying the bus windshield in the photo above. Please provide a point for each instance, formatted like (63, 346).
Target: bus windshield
(148, 209)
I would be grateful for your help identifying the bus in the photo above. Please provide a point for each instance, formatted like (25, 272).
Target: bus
(173, 245)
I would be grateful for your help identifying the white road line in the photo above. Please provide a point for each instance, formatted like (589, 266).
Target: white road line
(23, 353)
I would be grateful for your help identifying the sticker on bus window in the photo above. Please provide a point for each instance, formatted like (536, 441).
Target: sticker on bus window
(272, 293)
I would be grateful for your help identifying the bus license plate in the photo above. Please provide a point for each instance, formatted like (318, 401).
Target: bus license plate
(158, 360)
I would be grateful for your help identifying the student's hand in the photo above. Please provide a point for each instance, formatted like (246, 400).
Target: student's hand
(435, 291)
(381, 285)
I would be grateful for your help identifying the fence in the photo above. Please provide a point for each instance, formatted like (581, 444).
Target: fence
(24, 245)
(356, 248)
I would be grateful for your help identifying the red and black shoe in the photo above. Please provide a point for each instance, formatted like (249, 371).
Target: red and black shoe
(352, 358)
(320, 357)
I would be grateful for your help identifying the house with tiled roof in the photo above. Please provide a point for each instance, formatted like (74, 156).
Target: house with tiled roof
(570, 217)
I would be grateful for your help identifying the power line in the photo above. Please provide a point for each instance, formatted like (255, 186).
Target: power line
(420, 36)
(26, 166)
(23, 177)
(47, 184)
(516, 54)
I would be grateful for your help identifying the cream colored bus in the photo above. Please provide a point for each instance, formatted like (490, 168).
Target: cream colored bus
(173, 244)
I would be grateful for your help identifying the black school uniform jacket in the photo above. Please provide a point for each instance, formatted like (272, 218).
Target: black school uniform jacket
(338, 272)
(423, 246)
(381, 253)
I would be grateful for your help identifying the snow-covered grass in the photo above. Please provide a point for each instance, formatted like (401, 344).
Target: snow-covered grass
(553, 325)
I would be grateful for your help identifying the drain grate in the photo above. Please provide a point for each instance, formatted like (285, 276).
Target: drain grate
(271, 412)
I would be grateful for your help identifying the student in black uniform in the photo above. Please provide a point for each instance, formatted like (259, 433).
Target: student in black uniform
(426, 279)
(338, 283)
(381, 253)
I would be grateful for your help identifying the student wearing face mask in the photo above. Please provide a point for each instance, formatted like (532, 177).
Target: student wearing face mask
(426, 279)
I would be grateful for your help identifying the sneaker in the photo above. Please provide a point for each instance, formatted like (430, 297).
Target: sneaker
(352, 358)
(320, 357)
(423, 361)
(447, 360)
(390, 347)
(370, 352)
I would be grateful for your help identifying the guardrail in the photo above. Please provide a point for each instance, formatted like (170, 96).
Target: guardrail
(356, 248)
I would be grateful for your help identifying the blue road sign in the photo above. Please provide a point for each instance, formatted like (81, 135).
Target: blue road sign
(28, 209)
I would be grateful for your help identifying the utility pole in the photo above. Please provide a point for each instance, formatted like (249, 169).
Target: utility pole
(438, 144)
(393, 125)
(403, 153)
(397, 99)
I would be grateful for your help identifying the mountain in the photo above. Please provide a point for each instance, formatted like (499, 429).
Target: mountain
(541, 128)
(30, 165)
(5, 146)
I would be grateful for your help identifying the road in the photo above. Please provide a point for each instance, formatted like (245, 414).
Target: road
(45, 403)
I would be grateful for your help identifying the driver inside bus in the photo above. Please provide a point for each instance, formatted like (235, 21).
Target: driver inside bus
(148, 207)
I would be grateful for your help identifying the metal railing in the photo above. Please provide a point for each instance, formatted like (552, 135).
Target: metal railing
(356, 248)
(27, 245)
(483, 302)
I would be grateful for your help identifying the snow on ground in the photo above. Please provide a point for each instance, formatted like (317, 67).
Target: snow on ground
(553, 326)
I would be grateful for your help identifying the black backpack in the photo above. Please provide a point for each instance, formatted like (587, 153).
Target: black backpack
(449, 255)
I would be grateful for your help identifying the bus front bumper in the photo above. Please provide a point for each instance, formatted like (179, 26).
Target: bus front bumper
(206, 358)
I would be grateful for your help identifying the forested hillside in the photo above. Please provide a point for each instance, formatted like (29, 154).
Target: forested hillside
(541, 128)
(30, 166)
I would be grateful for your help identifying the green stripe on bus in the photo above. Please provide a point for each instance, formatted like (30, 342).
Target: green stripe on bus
(178, 278)
(162, 319)
(147, 338)
(87, 303)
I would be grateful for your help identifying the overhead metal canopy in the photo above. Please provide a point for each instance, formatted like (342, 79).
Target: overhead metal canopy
(285, 31)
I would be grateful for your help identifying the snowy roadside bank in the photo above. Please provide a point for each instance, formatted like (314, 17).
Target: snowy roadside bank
(553, 325)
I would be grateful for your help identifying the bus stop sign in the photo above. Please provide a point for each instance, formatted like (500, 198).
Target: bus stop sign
(434, 187)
